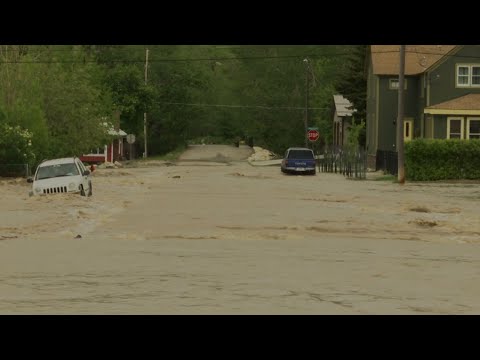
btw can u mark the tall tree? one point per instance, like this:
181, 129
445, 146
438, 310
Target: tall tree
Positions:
63, 93
352, 80
54, 94
352, 84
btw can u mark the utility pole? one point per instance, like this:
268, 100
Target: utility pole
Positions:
145, 113
400, 125
306, 102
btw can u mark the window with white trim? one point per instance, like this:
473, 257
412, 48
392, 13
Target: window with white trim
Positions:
395, 83
455, 128
475, 75
473, 128
468, 75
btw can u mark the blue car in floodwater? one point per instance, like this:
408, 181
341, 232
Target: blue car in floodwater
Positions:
299, 160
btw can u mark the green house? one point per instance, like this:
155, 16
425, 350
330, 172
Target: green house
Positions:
442, 95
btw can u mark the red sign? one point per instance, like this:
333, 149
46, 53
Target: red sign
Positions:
313, 135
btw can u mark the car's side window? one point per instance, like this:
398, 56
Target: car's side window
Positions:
80, 166
70, 169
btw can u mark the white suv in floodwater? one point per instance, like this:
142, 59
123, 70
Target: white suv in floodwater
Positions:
67, 175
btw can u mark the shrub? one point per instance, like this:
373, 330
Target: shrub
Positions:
434, 159
15, 145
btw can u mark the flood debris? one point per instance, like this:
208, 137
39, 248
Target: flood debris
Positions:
5, 237
424, 223
261, 154
421, 209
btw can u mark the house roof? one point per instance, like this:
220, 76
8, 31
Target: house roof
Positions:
465, 105
418, 58
118, 132
111, 130
342, 106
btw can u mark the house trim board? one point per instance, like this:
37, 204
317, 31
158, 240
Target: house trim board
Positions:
451, 112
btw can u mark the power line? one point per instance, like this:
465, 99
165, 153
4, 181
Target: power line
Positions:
170, 60
246, 106
299, 56
35, 50
29, 50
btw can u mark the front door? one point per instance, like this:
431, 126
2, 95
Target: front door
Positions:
407, 130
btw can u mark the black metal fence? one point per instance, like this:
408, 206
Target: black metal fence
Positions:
15, 170
351, 163
387, 161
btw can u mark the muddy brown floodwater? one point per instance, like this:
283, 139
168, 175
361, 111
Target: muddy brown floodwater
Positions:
225, 237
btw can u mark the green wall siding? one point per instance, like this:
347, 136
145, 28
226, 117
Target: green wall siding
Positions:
388, 110
413, 108
420, 119
442, 78
371, 109
440, 126
421, 86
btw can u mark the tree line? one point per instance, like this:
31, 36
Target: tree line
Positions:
54, 99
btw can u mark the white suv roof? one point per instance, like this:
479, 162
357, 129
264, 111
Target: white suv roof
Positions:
58, 161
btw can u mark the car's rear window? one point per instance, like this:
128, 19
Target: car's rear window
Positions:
300, 154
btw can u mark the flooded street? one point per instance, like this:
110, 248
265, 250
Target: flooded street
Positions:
224, 237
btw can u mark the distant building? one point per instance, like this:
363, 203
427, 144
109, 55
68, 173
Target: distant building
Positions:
111, 152
442, 95
342, 120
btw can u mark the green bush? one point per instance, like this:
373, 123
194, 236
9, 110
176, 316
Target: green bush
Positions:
432, 159
15, 145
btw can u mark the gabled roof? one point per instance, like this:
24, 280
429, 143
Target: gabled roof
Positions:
465, 105
418, 58
342, 106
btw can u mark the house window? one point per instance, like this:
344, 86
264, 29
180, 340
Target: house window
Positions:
473, 128
394, 84
455, 128
468, 75
408, 129
475, 75
462, 76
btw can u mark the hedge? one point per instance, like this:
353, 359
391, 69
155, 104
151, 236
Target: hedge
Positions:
434, 159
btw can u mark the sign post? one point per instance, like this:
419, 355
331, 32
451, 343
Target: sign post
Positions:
130, 140
313, 135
